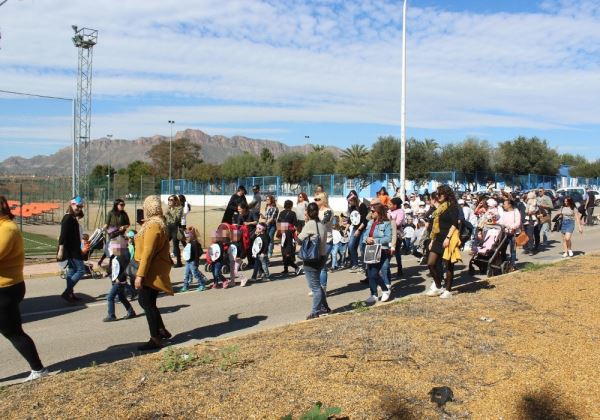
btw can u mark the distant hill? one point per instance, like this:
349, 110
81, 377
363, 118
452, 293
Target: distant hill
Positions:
215, 149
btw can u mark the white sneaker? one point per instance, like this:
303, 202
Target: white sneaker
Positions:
371, 299
310, 293
445, 294
36, 374
385, 296
434, 291
570, 253
565, 254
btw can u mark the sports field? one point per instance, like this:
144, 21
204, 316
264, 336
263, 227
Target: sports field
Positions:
38, 244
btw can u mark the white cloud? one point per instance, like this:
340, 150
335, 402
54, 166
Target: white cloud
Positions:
290, 61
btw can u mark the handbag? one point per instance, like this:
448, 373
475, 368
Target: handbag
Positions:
522, 239
372, 254
310, 250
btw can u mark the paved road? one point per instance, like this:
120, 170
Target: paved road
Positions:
72, 337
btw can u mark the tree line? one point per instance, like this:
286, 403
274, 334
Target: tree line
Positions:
520, 156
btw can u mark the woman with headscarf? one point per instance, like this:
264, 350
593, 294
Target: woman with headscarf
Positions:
12, 291
152, 277
173, 217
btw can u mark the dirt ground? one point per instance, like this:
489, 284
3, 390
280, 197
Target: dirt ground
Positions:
522, 346
199, 218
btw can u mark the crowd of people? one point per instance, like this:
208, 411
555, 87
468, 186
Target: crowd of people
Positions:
367, 237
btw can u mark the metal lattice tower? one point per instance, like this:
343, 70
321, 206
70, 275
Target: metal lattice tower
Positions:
84, 39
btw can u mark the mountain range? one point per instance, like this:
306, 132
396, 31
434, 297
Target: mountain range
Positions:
120, 153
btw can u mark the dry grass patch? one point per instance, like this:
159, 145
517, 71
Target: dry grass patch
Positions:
526, 348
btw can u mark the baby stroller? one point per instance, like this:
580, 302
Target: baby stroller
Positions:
490, 256
230, 240
95, 242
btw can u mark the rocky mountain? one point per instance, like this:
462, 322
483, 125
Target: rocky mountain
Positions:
122, 152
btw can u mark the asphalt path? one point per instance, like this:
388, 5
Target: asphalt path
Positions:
72, 337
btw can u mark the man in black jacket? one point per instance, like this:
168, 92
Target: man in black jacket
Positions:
236, 199
69, 248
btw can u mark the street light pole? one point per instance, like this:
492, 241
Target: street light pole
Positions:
171, 122
403, 108
109, 137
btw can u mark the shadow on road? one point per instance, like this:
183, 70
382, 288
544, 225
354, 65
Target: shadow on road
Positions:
123, 351
233, 323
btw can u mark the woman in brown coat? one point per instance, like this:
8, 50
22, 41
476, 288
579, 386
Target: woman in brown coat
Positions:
152, 254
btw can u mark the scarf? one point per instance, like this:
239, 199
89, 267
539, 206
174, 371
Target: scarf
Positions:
153, 214
441, 209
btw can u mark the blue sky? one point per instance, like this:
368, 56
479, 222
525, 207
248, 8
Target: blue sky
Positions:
328, 69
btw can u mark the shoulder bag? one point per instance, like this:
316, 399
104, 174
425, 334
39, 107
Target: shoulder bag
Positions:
310, 248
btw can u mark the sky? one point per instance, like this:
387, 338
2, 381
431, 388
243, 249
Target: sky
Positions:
327, 69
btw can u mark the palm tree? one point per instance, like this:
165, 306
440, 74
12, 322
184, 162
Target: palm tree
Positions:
356, 152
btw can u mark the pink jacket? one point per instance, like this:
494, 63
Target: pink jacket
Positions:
396, 216
511, 220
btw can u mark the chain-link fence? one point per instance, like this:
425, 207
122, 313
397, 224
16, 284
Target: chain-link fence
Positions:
42, 201
368, 185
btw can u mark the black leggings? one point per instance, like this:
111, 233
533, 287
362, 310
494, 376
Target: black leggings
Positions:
147, 299
436, 267
11, 325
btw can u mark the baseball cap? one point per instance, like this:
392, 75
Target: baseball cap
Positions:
77, 200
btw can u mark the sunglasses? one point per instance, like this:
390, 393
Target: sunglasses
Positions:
317, 199
79, 207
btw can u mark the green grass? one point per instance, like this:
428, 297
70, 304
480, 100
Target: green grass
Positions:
534, 267
38, 244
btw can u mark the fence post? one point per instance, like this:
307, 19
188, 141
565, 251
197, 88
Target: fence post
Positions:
277, 186
21, 207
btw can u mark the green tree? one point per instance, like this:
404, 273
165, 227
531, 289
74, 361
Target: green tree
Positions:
290, 166
572, 160
267, 161
99, 176
422, 157
526, 155
385, 155
322, 162
586, 170
470, 156
354, 162
242, 165
184, 155
318, 148
205, 172
135, 171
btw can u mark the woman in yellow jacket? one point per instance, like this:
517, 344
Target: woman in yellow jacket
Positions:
12, 291
152, 277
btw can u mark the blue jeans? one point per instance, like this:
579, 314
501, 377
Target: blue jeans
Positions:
271, 232
261, 263
118, 289
373, 274
216, 271
353, 249
314, 284
362, 246
74, 274
323, 275
341, 249
191, 270
386, 272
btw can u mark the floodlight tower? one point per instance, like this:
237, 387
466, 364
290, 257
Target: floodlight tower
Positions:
84, 39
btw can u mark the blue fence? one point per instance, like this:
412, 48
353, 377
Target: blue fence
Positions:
339, 185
